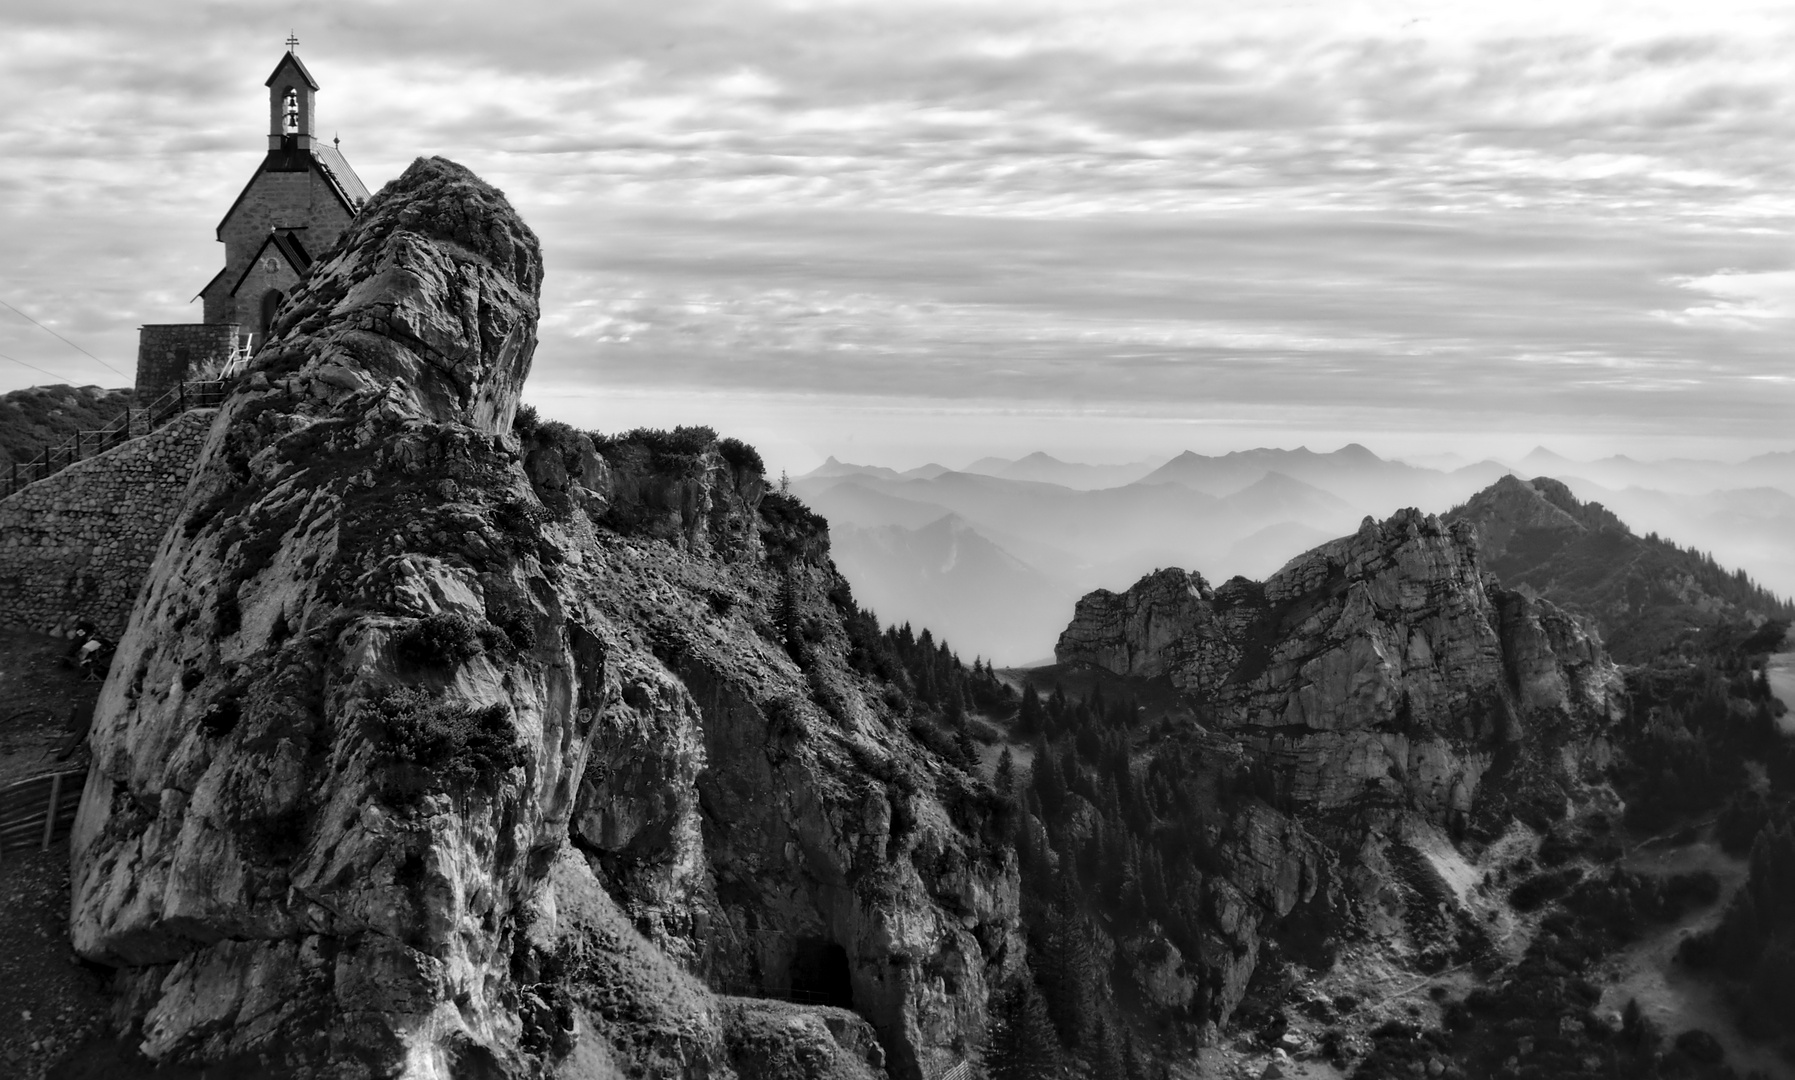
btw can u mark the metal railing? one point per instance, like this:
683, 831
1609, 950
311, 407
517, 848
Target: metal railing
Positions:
241, 351
128, 425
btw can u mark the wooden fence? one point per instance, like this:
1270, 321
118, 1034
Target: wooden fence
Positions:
38, 810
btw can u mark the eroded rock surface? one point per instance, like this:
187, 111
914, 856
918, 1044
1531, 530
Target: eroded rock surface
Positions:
1377, 685
433, 752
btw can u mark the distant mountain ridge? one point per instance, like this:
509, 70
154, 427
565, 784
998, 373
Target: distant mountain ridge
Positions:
1243, 513
1044, 468
1644, 593
1675, 475
913, 575
1076, 535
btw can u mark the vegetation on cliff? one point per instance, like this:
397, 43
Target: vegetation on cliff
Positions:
1646, 595
1753, 947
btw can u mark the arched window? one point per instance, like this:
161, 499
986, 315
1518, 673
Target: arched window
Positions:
290, 112
270, 304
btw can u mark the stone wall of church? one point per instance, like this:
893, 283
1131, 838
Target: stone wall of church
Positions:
170, 352
304, 200
270, 275
79, 544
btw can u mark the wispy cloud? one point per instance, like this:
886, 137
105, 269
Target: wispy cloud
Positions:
1741, 301
1571, 211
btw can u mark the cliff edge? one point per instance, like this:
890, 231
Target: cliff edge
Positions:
435, 748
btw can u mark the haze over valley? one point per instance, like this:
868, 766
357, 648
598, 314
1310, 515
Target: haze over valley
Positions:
992, 557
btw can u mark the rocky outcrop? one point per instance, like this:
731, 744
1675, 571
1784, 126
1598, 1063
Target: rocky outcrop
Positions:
1381, 665
432, 751
1378, 685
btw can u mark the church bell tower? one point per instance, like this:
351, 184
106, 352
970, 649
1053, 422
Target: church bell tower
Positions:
291, 97
296, 204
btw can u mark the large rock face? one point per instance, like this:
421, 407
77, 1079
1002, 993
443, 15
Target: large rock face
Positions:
1379, 665
1376, 690
435, 752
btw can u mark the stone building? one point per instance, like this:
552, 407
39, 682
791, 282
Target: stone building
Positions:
294, 207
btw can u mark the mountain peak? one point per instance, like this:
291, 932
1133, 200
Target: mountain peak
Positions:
1642, 594
1511, 504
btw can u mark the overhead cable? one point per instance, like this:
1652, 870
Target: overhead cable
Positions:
33, 367
64, 340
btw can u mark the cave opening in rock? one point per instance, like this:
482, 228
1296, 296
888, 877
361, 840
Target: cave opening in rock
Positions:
819, 974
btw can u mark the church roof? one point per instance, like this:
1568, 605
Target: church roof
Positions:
328, 161
208, 286
348, 184
292, 58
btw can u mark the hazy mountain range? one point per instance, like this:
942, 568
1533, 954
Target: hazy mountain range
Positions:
993, 556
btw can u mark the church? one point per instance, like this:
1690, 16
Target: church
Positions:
296, 204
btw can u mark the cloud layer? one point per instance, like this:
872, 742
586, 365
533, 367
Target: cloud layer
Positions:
1548, 218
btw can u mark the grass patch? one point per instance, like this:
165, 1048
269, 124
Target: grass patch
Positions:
439, 641
433, 745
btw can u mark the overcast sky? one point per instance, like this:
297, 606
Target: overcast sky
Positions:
903, 231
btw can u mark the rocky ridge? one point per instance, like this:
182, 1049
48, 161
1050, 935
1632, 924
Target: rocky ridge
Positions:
1374, 699
432, 750
1644, 595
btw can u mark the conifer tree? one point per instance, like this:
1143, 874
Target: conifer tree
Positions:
966, 747
1031, 717
787, 616
1106, 1050
1070, 966
1045, 777
1021, 1043
1134, 1064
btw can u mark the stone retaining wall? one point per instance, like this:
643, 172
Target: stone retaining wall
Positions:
171, 352
79, 543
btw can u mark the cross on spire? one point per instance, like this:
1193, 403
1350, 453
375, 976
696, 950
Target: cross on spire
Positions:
292, 41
